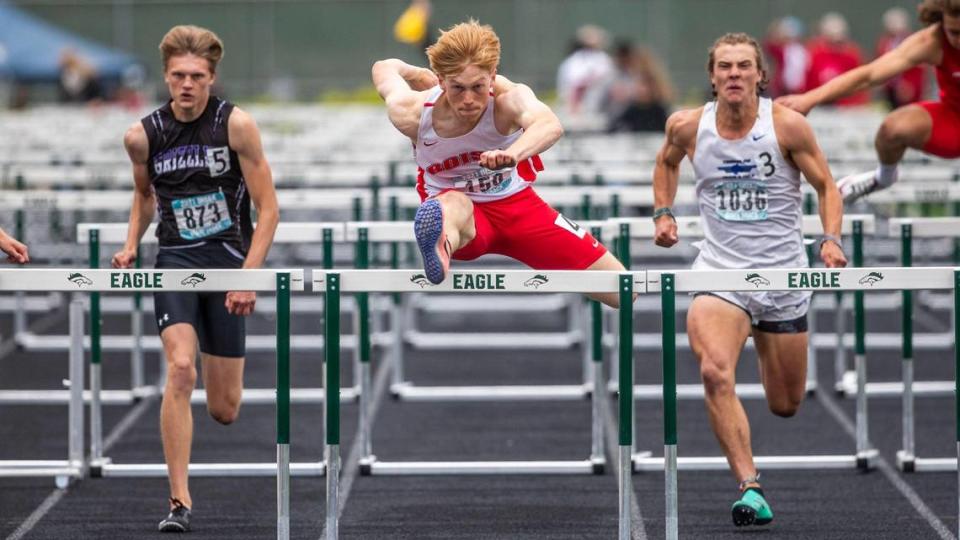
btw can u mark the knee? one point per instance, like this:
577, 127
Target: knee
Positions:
717, 377
893, 131
784, 408
181, 374
225, 409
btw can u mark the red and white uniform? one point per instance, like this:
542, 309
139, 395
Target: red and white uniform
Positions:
944, 138
509, 218
445, 164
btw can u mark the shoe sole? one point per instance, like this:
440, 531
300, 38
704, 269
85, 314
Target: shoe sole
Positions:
744, 516
173, 527
428, 228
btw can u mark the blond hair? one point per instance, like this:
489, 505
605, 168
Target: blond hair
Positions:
189, 39
462, 45
739, 38
932, 11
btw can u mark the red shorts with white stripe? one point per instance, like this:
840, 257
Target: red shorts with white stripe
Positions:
944, 138
525, 228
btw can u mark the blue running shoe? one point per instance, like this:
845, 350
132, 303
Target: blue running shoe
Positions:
433, 244
751, 509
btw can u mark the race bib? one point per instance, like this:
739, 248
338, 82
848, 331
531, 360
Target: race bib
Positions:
484, 181
741, 200
202, 216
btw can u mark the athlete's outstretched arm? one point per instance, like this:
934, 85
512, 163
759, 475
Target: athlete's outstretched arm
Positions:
541, 127
680, 132
796, 135
141, 212
921, 47
245, 141
400, 84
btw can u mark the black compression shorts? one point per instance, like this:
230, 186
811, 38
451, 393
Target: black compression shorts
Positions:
219, 332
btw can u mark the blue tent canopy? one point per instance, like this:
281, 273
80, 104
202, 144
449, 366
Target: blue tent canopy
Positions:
30, 49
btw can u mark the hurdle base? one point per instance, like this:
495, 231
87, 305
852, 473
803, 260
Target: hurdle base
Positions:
426, 468
947, 464
867, 459
598, 464
159, 470
695, 391
96, 467
268, 396
643, 462
407, 391
906, 461
848, 387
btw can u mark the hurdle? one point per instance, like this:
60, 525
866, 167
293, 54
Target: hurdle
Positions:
669, 283
852, 279
334, 284
94, 235
363, 234
907, 460
627, 229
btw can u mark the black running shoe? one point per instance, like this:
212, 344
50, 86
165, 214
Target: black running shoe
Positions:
178, 521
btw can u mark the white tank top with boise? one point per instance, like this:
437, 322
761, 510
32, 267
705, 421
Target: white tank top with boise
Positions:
749, 197
453, 163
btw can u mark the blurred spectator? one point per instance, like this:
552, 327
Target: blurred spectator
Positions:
909, 86
78, 79
584, 75
639, 95
784, 45
413, 26
833, 53
129, 95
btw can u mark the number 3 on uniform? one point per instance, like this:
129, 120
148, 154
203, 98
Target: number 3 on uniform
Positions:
565, 223
218, 160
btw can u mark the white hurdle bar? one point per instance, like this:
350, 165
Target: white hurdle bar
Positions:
643, 228
853, 279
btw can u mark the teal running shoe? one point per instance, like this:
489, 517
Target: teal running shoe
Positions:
752, 509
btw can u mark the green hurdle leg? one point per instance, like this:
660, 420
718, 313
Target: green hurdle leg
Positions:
597, 395
956, 371
283, 406
906, 456
860, 359
668, 314
96, 417
625, 398
362, 357
332, 451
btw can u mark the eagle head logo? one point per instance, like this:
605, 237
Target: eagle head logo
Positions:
871, 278
757, 280
536, 281
420, 280
80, 280
194, 279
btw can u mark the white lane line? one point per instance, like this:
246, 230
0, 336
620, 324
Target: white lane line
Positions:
349, 471
637, 529
52, 499
888, 471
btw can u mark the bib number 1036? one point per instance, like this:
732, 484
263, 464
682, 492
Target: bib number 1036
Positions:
744, 200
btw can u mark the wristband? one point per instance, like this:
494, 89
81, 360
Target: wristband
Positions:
831, 238
664, 211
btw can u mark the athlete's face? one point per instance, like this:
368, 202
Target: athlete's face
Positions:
188, 78
468, 91
735, 73
951, 28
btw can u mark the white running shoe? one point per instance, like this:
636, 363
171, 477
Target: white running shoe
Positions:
857, 185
